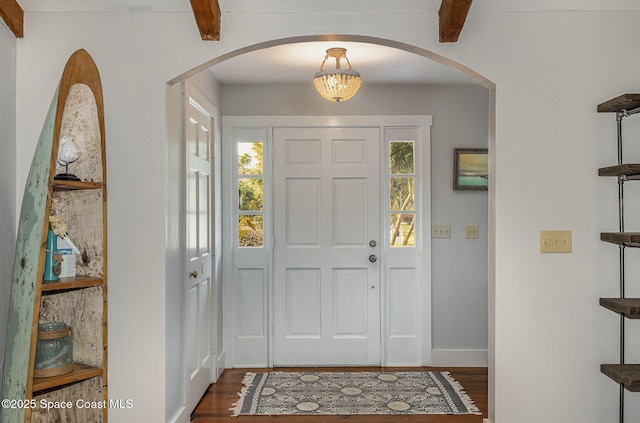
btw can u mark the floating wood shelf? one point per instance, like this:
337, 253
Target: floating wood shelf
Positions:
628, 239
631, 171
626, 374
77, 282
630, 307
79, 373
75, 185
620, 103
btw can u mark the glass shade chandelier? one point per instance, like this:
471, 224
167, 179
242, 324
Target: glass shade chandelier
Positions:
337, 84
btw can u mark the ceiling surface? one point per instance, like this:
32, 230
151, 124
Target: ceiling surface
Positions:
344, 6
297, 63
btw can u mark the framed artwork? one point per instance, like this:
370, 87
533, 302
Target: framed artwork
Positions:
470, 169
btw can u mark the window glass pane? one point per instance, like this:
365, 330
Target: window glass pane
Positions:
401, 194
401, 157
250, 195
401, 227
250, 230
249, 158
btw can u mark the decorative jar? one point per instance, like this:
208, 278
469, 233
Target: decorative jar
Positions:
54, 350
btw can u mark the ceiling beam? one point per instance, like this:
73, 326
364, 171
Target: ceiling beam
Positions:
207, 14
452, 15
13, 15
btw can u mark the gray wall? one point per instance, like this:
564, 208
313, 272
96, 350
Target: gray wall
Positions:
461, 118
7, 176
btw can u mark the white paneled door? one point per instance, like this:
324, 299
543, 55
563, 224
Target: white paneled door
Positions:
198, 260
326, 298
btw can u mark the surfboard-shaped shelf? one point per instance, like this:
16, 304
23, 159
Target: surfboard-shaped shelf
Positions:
79, 299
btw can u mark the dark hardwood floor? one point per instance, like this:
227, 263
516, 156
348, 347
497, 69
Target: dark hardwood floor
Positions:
214, 406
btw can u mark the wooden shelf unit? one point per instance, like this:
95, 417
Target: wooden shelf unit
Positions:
59, 185
77, 112
68, 283
79, 373
626, 375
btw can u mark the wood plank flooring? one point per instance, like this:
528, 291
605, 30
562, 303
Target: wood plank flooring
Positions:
215, 404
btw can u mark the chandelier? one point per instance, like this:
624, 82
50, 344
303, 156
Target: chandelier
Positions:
338, 84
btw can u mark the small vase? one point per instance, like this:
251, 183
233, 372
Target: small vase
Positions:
49, 263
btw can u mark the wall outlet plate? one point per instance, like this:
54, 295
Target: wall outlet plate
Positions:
555, 242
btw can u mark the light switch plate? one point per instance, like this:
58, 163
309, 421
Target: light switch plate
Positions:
440, 231
471, 232
555, 241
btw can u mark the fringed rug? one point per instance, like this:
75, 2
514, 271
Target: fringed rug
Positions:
347, 393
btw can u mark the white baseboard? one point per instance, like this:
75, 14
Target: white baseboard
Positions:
220, 364
459, 358
181, 416
486, 421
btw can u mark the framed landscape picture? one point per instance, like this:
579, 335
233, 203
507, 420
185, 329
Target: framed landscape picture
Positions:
470, 169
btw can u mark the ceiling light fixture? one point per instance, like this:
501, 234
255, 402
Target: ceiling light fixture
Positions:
338, 84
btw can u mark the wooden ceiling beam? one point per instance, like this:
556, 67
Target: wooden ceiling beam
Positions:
452, 15
207, 14
13, 15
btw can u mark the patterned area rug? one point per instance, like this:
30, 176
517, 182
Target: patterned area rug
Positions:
347, 393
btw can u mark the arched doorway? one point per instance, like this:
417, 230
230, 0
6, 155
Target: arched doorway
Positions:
480, 80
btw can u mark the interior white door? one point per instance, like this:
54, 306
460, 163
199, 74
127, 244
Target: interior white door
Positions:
198, 219
327, 239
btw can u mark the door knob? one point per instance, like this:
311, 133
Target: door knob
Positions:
373, 243
373, 258
193, 274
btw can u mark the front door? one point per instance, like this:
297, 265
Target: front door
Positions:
326, 299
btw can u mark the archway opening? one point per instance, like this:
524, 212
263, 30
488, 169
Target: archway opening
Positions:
473, 79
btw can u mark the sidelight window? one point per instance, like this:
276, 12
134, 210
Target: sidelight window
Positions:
250, 177
402, 178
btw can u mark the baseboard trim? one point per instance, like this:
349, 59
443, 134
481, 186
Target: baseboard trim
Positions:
181, 416
486, 421
220, 365
459, 358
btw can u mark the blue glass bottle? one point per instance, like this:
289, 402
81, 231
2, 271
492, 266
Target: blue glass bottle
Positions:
49, 263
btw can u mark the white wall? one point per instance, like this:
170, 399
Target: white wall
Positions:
8, 190
459, 266
551, 69
175, 396
135, 61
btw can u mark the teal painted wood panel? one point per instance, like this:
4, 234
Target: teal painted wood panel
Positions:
26, 276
